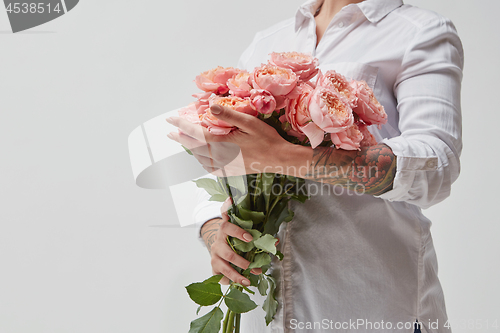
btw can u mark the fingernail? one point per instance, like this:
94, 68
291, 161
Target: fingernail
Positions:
247, 236
254, 272
246, 283
170, 136
216, 109
169, 120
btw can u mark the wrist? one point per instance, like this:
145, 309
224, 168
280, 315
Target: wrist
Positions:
209, 232
293, 160
208, 223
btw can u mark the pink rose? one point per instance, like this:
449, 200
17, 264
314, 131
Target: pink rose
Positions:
220, 127
262, 101
201, 103
349, 139
330, 111
214, 125
236, 103
214, 80
368, 108
368, 138
298, 116
239, 86
190, 114
278, 81
338, 82
303, 65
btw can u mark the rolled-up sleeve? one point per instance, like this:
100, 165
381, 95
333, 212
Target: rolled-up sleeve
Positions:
427, 90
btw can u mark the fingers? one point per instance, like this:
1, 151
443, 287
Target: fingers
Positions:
232, 276
196, 146
222, 255
193, 130
229, 229
196, 131
214, 171
224, 280
241, 120
225, 206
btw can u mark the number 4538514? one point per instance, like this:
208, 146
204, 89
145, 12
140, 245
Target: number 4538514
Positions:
471, 324
25, 8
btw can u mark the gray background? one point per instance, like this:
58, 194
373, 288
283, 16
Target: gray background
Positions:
79, 250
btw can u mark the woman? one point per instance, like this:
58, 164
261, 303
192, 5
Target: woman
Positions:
358, 261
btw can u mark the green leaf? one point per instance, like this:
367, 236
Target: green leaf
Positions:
300, 197
255, 233
245, 202
270, 304
246, 289
187, 150
260, 260
218, 197
239, 302
263, 285
204, 293
242, 246
245, 224
256, 217
222, 182
210, 185
254, 279
266, 243
235, 187
279, 255
209, 323
265, 268
238, 182
214, 279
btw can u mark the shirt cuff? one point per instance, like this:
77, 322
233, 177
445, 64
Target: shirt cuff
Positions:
407, 166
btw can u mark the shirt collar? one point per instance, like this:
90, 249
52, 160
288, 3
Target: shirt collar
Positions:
374, 10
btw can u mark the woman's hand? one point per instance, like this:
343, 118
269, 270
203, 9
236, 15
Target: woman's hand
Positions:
254, 147
215, 233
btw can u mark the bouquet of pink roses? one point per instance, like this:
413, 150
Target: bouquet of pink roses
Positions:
305, 107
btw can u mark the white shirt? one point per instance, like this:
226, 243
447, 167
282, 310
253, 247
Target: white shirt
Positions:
365, 259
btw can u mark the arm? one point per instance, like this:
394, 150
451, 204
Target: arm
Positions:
370, 170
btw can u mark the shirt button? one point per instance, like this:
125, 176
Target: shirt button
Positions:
431, 164
341, 24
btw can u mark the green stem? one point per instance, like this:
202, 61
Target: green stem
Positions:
272, 207
231, 245
251, 255
258, 180
237, 325
224, 324
230, 323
